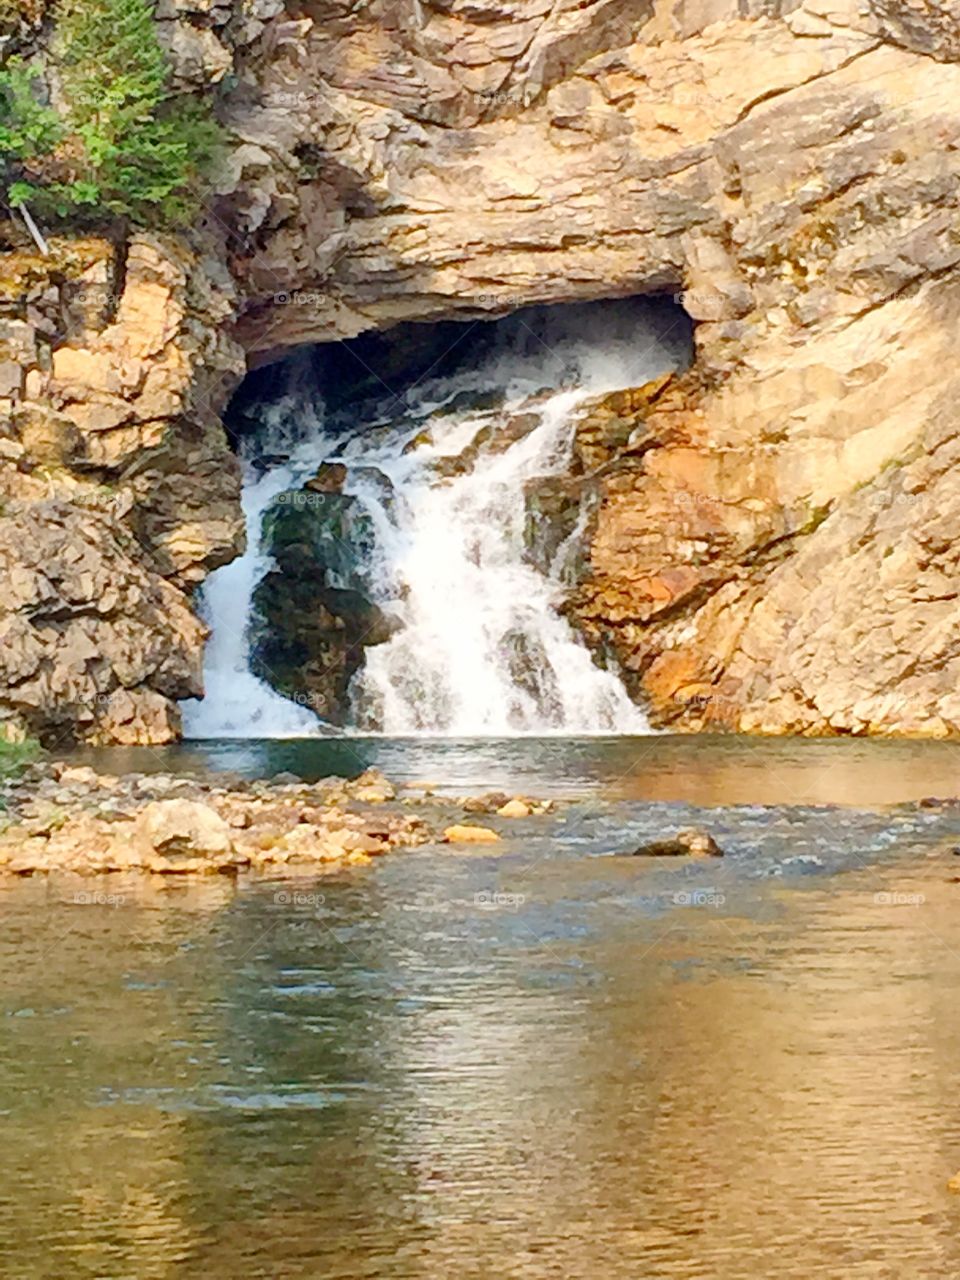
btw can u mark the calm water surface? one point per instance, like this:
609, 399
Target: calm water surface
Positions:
539, 1062
700, 769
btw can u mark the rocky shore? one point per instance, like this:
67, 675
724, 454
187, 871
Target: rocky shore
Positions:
59, 817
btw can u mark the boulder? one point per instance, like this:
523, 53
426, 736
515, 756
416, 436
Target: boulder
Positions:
312, 618
514, 809
183, 836
326, 535
690, 843
461, 833
371, 788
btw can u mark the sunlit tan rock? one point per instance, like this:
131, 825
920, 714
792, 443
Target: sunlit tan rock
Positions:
769, 547
462, 833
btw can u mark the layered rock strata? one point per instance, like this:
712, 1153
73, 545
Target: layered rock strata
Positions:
771, 546
118, 492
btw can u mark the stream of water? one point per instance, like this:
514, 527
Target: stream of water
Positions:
536, 1063
479, 648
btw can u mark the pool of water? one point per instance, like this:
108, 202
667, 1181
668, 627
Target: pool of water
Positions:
536, 1062
699, 769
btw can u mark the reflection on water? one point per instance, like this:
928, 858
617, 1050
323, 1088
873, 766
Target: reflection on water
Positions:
534, 1063
699, 770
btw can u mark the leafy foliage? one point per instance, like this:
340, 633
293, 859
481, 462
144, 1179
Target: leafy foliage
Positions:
121, 145
15, 756
26, 127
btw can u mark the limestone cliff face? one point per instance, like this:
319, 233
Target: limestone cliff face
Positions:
118, 492
771, 546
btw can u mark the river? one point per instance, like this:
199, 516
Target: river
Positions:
539, 1062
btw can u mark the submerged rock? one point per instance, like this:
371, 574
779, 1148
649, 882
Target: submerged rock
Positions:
690, 843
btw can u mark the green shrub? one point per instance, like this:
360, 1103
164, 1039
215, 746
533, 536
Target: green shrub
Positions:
15, 756
27, 128
122, 145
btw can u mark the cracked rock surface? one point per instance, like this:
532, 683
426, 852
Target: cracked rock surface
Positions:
769, 547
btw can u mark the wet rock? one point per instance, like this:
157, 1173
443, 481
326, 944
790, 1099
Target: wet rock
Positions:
690, 843
938, 802
464, 834
613, 424
514, 809
309, 641
330, 478
312, 620
286, 779
326, 535
491, 438
488, 803
555, 506
422, 440
532, 674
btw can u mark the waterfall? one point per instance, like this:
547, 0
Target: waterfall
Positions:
480, 648
236, 704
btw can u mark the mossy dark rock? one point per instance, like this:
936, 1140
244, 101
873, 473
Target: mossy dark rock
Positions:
312, 616
323, 537
307, 641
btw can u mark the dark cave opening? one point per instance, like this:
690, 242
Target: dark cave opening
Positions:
417, 502
354, 377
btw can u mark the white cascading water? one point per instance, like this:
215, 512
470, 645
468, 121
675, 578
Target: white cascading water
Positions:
236, 704
481, 649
